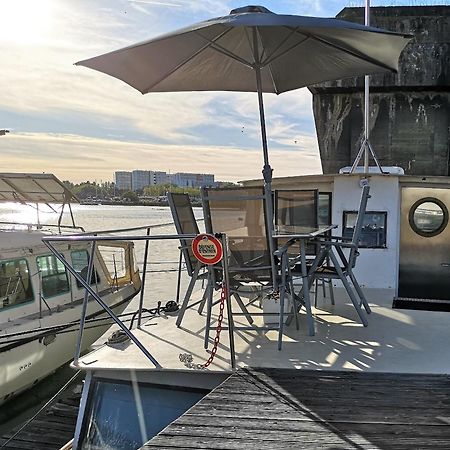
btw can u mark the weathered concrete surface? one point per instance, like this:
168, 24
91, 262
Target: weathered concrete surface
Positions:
410, 110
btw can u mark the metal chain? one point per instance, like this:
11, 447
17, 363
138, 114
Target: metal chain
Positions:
223, 297
188, 359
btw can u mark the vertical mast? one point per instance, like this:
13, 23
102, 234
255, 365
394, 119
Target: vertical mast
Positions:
366, 147
366, 100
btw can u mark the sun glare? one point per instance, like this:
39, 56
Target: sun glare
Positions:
25, 21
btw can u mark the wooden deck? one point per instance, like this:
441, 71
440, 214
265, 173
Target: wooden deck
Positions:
52, 429
302, 409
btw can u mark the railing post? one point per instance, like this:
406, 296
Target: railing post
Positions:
180, 262
40, 294
85, 303
226, 280
144, 271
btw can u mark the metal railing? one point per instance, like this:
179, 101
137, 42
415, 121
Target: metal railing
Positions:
52, 241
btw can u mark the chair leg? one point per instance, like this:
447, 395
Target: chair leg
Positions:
348, 288
201, 306
360, 292
282, 290
306, 284
294, 303
209, 305
316, 285
243, 307
330, 281
188, 295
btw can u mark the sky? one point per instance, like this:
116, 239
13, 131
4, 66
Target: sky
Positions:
83, 125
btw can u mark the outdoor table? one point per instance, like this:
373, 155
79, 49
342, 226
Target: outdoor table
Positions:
301, 235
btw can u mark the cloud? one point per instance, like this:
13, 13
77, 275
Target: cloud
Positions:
41, 86
79, 158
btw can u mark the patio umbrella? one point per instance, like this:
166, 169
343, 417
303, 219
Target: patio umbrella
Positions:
253, 50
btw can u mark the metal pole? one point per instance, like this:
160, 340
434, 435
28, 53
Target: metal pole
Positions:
226, 280
144, 271
84, 308
180, 261
366, 102
267, 170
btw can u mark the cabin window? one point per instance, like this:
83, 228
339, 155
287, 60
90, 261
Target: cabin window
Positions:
373, 233
428, 217
116, 260
15, 283
53, 275
80, 262
324, 210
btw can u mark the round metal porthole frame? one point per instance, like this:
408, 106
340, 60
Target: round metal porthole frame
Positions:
413, 210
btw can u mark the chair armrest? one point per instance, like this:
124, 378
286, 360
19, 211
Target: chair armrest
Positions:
282, 250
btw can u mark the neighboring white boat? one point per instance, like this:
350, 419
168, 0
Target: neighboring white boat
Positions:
40, 302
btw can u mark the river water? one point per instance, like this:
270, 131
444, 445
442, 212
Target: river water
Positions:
161, 276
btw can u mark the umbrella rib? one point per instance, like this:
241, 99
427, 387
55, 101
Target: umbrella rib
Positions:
224, 51
349, 51
261, 65
186, 60
273, 57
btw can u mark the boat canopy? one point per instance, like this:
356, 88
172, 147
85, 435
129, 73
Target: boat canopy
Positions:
34, 188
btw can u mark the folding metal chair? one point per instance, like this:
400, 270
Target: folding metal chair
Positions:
341, 267
240, 213
185, 223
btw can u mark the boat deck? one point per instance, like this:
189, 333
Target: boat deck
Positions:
293, 409
402, 341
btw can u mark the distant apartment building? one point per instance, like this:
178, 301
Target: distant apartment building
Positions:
140, 179
159, 177
183, 179
122, 180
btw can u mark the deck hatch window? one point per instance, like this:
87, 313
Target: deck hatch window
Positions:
373, 233
114, 413
80, 262
53, 275
428, 217
15, 283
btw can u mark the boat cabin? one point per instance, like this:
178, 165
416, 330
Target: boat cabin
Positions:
405, 241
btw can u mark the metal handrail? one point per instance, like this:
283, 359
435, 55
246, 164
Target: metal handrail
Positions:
40, 226
122, 230
50, 240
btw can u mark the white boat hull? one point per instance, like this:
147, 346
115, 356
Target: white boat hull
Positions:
24, 365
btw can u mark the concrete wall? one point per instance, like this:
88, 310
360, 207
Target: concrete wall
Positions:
410, 111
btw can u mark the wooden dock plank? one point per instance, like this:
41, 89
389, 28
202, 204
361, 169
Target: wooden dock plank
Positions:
292, 409
50, 430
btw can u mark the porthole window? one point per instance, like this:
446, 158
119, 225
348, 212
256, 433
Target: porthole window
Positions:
428, 217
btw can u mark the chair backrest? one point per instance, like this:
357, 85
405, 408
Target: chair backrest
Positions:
240, 213
185, 223
359, 224
297, 208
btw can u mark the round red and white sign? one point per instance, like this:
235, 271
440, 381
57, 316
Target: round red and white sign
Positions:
207, 249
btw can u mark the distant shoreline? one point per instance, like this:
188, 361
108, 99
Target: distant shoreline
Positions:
109, 203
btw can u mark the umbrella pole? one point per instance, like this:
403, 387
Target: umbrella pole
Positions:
267, 175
